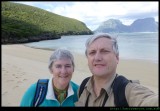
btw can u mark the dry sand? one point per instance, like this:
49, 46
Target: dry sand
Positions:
22, 66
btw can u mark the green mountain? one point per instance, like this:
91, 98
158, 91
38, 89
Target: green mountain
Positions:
22, 23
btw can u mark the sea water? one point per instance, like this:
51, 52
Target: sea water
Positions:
131, 45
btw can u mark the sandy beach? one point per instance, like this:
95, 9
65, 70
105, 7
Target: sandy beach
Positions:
22, 66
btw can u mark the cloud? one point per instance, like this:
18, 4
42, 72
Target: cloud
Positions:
94, 13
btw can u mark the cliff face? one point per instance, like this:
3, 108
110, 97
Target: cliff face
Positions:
139, 25
144, 25
22, 23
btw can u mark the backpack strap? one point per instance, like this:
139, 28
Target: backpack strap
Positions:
84, 82
119, 86
41, 90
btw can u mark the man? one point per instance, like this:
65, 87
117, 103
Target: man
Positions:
103, 56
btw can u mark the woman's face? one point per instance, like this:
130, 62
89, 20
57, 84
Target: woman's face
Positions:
62, 71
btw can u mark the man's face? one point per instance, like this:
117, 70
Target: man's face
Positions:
102, 60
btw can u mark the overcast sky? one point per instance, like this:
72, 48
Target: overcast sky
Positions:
94, 13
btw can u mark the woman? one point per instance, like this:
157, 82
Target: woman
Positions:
61, 91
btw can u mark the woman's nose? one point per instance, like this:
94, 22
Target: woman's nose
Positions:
63, 70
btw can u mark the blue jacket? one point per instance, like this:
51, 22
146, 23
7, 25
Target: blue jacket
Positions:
50, 99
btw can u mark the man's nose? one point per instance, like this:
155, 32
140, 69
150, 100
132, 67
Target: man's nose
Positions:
98, 56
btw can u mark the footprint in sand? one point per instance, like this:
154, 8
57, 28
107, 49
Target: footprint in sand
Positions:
19, 81
4, 93
17, 77
8, 104
10, 80
15, 87
24, 79
19, 68
23, 73
6, 74
15, 66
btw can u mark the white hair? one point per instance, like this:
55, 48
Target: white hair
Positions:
60, 54
103, 35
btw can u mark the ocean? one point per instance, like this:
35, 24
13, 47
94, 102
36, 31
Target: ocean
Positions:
142, 45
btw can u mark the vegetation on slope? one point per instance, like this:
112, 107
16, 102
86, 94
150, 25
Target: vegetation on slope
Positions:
22, 23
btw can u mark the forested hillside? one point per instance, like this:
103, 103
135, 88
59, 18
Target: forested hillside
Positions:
22, 23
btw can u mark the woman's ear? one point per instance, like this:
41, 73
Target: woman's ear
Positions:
50, 70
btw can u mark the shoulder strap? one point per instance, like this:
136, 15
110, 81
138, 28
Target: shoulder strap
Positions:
41, 90
119, 86
83, 85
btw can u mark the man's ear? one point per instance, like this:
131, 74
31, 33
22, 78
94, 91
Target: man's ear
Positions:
117, 59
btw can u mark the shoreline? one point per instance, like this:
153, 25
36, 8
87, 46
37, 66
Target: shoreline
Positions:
80, 53
23, 66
